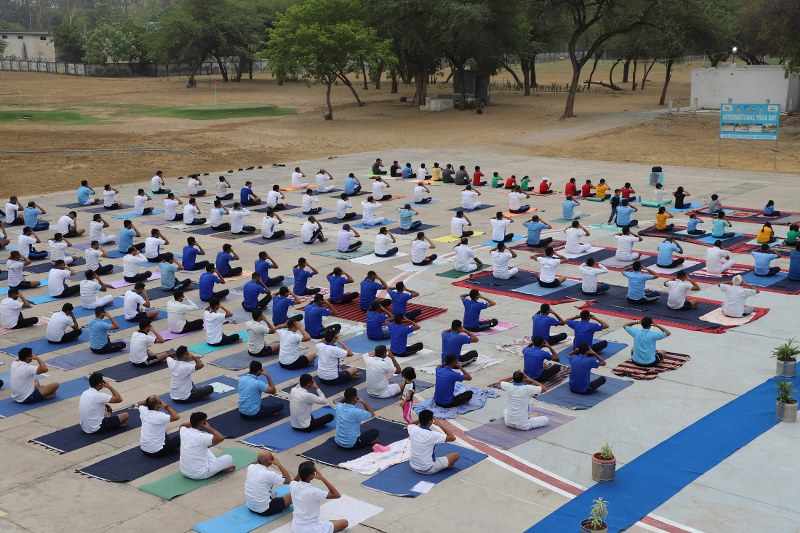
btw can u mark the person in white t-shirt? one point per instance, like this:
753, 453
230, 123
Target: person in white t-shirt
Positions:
329, 358
176, 314
276, 199
26, 245
574, 235
89, 289
214, 317
193, 186
11, 311
379, 187
191, 212
63, 327
291, 334
16, 275
678, 288
136, 305
312, 231
458, 223
25, 388
157, 184
302, 399
222, 189
14, 212
368, 209
590, 270
94, 407
155, 415
307, 500
171, 208
520, 390
268, 224
260, 483
423, 440
515, 199
68, 225
717, 259
342, 206
297, 179
382, 242
139, 202
153, 244
109, 197
130, 266
419, 193
500, 258
548, 262
344, 239
58, 245
422, 172
736, 294
141, 341
57, 281
181, 367
468, 198
92, 255
197, 461
419, 247
324, 181
499, 224
96, 227
257, 330
466, 260
625, 242
4, 240
216, 215
380, 367
307, 202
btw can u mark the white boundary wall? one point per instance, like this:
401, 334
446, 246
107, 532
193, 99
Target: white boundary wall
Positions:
747, 84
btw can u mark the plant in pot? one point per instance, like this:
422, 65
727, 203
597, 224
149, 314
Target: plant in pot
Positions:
604, 464
786, 354
597, 515
786, 404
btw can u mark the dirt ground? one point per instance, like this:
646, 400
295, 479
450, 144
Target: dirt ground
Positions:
517, 124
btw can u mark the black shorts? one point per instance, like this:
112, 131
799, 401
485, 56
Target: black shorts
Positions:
300, 362
151, 360
109, 423
276, 505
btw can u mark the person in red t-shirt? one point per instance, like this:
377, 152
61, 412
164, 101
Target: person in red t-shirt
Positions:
544, 186
511, 182
586, 190
627, 191
571, 188
476, 177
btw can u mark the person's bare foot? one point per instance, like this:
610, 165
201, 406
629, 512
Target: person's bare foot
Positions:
357, 375
230, 469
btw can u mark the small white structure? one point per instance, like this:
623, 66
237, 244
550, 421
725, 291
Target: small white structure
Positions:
749, 84
28, 45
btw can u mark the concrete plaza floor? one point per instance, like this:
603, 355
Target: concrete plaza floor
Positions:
753, 490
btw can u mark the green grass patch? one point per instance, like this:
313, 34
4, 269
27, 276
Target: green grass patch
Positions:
211, 112
58, 117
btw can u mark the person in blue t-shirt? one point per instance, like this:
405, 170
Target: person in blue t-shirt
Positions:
352, 186
369, 291
542, 322
301, 277
665, 251
399, 330
644, 351
720, 225
31, 217
534, 356
126, 235
585, 329
251, 386
407, 222
763, 258
169, 266
624, 212
446, 379
376, 320
252, 292
262, 266
281, 303
208, 279
400, 296
581, 361
247, 196
474, 303
638, 276
85, 194
190, 253
337, 280
99, 326
454, 339
313, 314
223, 262
568, 209
691, 226
794, 264
348, 422
535, 227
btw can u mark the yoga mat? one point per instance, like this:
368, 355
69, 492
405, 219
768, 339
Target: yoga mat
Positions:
629, 369
45, 298
41, 346
455, 274
283, 436
401, 231
73, 438
765, 281
497, 434
232, 425
500, 327
568, 220
237, 361
334, 220
168, 335
156, 293
205, 230
380, 403
563, 397
450, 238
654, 477
331, 390
67, 389
177, 484
411, 267
203, 348
43, 320
687, 206
80, 312
516, 238
40, 268
344, 256
241, 519
347, 508
331, 454
534, 289
362, 344
353, 312
119, 283
608, 351
478, 401
78, 358
300, 214
488, 281
374, 259
263, 241
127, 466
598, 254
400, 480
126, 370
223, 380
134, 215
608, 227
362, 225
479, 208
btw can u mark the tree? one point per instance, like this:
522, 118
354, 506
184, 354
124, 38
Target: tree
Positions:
68, 41
780, 26
593, 22
322, 40
183, 37
114, 42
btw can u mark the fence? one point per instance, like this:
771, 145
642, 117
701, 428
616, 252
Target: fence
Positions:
121, 70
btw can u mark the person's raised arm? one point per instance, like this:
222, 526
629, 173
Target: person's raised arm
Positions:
228, 314
287, 477
159, 338
602, 361
42, 368
489, 302
115, 397
449, 437
306, 336
333, 494
397, 369
552, 351
198, 363
467, 375
173, 415
114, 324
217, 437
663, 329
600, 321
270, 384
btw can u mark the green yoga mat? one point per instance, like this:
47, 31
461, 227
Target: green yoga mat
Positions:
204, 348
454, 274
653, 204
564, 220
177, 484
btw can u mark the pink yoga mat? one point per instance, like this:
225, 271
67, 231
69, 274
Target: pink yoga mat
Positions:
119, 283
501, 326
167, 335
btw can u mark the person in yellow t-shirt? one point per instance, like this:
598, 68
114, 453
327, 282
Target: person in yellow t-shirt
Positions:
661, 220
601, 189
766, 234
436, 172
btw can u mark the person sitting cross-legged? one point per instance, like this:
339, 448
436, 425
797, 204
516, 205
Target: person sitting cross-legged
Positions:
400, 328
474, 302
261, 482
141, 341
302, 399
155, 415
454, 339
25, 388
665, 251
197, 461
585, 329
446, 379
520, 390
214, 316
542, 322
348, 422
313, 315
380, 367
181, 387
251, 386
337, 279
94, 407
534, 356
581, 361
423, 440
637, 277
644, 352
257, 329
307, 500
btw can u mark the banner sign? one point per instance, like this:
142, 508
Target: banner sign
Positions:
749, 121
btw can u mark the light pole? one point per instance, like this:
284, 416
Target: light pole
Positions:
734, 54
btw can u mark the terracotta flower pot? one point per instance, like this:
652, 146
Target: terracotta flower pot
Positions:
587, 528
603, 469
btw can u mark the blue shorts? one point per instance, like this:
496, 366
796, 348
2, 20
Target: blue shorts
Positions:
35, 397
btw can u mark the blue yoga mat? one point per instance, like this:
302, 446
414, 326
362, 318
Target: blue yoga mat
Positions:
127, 324
78, 358
125, 370
330, 453
128, 465
611, 349
240, 519
479, 208
73, 438
361, 225
237, 361
399, 479
283, 436
564, 397
80, 312
41, 346
181, 407
68, 389
156, 293
205, 348
232, 425
115, 254
4, 290
764, 281
282, 375
134, 215
514, 239
361, 344
708, 239
380, 403
688, 206
45, 298
401, 231
644, 484
534, 289
331, 390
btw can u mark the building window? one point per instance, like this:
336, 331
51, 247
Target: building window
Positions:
42, 38
20, 37
5, 36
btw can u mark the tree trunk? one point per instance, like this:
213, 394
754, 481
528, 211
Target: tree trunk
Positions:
421, 91
222, 69
525, 65
191, 82
378, 75
513, 75
647, 70
250, 69
364, 73
594, 67
569, 108
625, 70
666, 82
611, 73
534, 83
329, 116
394, 84
352, 89
635, 68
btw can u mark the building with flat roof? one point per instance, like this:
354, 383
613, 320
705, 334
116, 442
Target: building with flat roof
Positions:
28, 45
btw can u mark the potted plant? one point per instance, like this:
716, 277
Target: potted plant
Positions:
597, 515
786, 354
604, 464
786, 404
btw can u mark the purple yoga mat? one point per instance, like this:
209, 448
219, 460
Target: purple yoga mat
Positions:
167, 335
497, 434
118, 283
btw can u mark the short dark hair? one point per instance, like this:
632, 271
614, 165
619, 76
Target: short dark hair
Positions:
350, 394
330, 334
518, 376
255, 367
306, 470
305, 380
380, 350
197, 418
180, 350
95, 379
647, 322
585, 314
425, 417
24, 353
449, 359
409, 373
